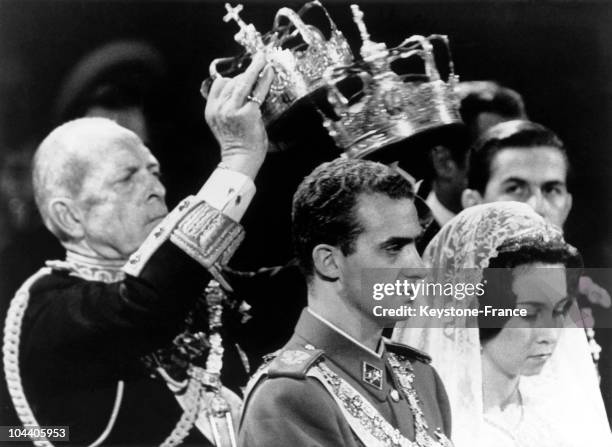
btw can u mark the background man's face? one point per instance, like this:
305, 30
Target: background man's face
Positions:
536, 176
390, 228
122, 197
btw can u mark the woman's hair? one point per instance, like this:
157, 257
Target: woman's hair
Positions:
499, 275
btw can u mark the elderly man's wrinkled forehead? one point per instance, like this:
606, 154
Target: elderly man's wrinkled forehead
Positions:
72, 150
87, 136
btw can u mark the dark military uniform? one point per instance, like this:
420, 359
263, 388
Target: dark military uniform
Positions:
80, 337
288, 405
77, 329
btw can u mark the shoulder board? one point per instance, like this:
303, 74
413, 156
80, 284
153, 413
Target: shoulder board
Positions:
409, 351
293, 363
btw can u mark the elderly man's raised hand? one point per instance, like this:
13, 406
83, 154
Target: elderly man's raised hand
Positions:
234, 116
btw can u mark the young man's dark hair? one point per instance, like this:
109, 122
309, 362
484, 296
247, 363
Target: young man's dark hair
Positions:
324, 204
515, 134
485, 103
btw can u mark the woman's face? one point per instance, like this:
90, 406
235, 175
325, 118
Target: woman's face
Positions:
525, 343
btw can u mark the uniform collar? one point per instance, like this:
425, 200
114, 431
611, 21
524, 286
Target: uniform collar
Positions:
332, 326
362, 364
90, 268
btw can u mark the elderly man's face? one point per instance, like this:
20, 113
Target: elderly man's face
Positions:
122, 197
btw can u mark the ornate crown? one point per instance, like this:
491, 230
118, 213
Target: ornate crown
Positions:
388, 107
298, 53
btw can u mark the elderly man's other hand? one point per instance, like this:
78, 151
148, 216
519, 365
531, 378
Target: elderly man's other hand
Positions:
234, 116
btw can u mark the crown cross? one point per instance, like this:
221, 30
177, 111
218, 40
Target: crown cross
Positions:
358, 19
368, 48
233, 14
248, 36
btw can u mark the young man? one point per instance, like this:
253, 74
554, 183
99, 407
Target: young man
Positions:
521, 161
337, 382
483, 104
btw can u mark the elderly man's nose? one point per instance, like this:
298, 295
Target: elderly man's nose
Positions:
157, 189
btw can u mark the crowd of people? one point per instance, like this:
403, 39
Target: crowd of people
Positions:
142, 333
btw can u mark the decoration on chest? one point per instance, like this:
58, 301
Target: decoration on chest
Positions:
372, 375
191, 366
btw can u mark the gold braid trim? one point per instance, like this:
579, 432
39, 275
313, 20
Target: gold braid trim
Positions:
365, 420
10, 351
203, 232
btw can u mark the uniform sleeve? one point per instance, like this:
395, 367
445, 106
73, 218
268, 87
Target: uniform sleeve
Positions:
72, 318
284, 412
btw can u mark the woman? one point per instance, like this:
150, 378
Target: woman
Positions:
525, 380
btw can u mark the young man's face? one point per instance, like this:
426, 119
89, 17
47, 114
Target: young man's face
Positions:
536, 176
387, 242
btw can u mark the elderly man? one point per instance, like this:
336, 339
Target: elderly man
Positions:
337, 382
77, 330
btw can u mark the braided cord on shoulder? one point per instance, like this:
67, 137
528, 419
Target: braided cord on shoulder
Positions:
10, 352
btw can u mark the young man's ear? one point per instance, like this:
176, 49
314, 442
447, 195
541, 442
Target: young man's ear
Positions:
325, 261
470, 197
65, 217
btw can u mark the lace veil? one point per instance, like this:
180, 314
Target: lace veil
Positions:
470, 241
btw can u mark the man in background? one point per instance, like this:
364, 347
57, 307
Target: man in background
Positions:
483, 104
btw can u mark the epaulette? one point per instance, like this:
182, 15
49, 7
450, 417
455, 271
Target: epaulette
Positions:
408, 351
294, 363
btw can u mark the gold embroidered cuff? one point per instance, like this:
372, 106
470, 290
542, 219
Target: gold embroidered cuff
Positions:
200, 230
209, 237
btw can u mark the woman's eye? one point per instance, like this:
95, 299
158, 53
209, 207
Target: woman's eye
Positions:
564, 309
531, 314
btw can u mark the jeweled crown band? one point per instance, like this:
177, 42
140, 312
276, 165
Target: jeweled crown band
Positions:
309, 69
390, 106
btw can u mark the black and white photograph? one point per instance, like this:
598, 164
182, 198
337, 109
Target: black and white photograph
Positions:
321, 223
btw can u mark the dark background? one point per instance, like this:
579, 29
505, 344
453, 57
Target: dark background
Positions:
557, 54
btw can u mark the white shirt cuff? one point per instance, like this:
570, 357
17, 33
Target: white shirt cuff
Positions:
228, 191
